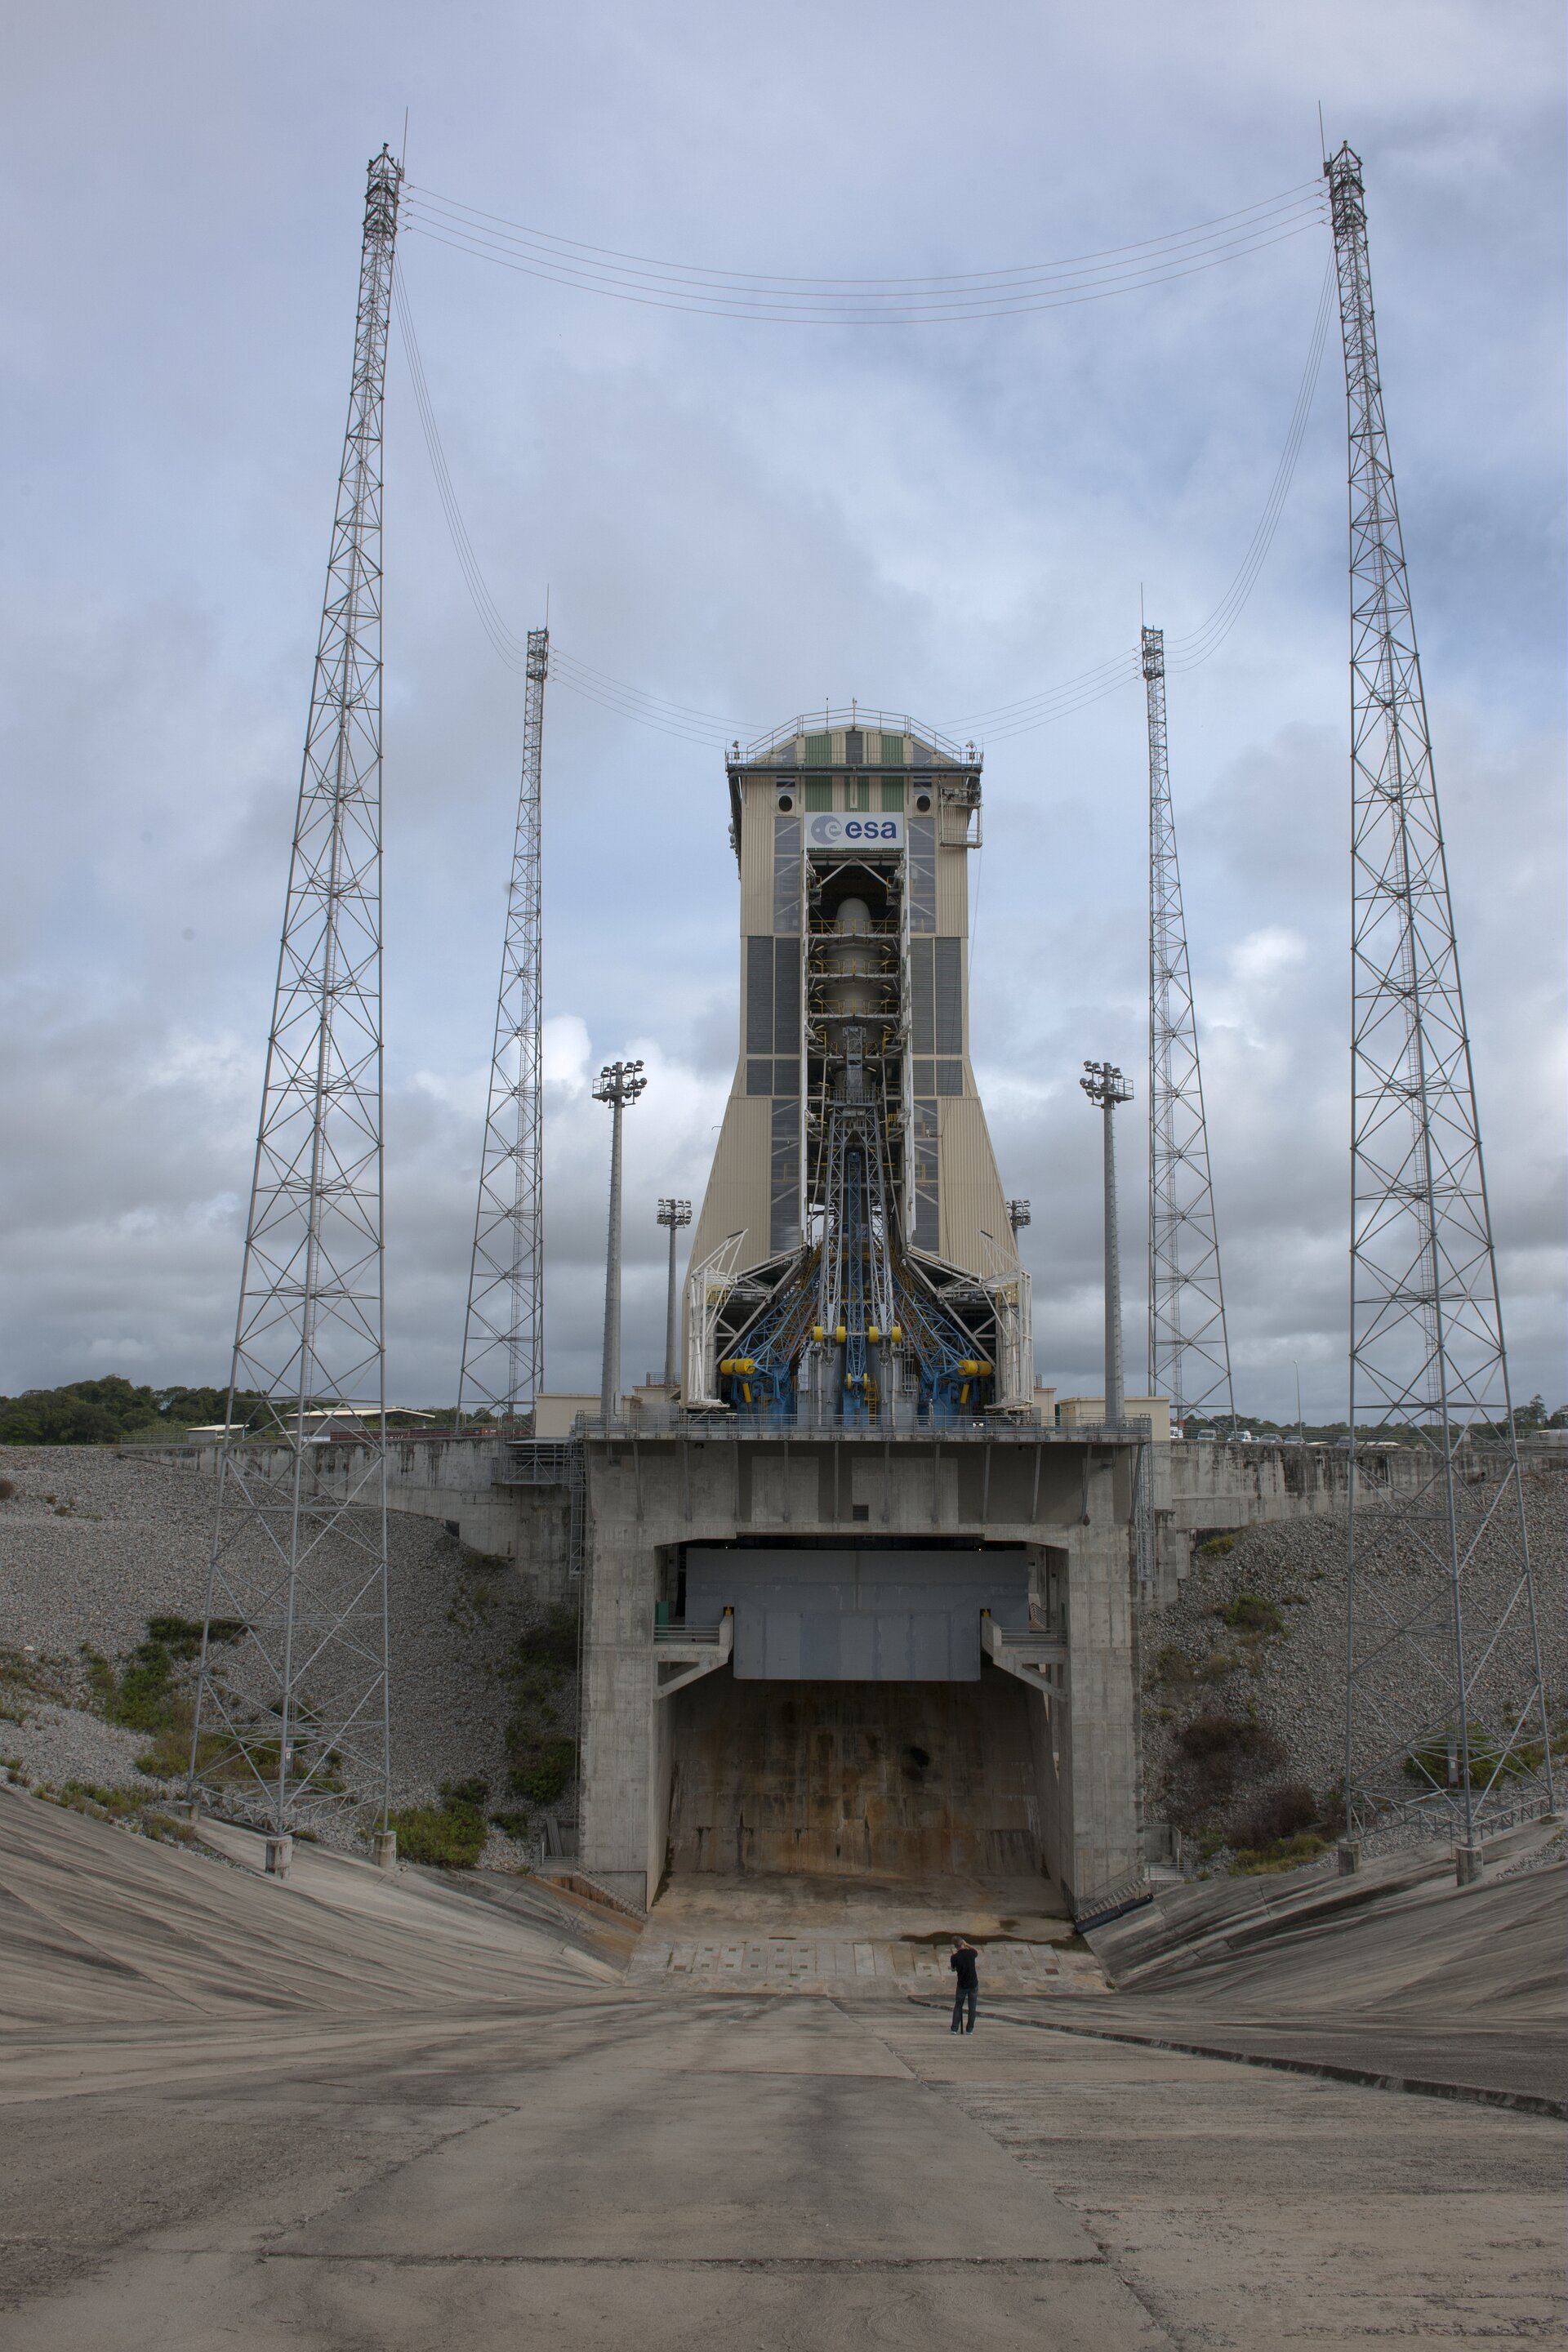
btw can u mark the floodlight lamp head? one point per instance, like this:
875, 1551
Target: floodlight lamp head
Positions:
1018, 1214
1105, 1084
675, 1213
620, 1083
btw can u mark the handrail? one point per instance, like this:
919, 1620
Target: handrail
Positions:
884, 722
723, 1425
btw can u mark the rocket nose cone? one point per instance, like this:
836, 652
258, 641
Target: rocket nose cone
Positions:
854, 915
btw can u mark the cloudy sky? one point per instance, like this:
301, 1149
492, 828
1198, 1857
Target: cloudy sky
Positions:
747, 518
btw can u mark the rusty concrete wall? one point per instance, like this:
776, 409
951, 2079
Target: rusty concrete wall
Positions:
891, 1780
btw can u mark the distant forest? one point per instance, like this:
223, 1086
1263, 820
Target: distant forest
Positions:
108, 1412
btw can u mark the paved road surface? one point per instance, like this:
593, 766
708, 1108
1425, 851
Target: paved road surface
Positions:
558, 2161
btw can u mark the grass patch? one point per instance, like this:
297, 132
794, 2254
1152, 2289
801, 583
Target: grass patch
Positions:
512, 1824
1176, 1669
544, 1773
1283, 1814
145, 1694
1217, 1547
1250, 1613
1285, 1853
24, 1678
1428, 1764
450, 1835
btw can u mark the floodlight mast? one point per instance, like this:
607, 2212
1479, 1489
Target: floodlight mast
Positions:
1446, 1700
619, 1085
1105, 1088
503, 1334
296, 1722
1188, 1350
676, 1215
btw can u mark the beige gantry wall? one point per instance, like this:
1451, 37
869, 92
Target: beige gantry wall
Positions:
973, 1200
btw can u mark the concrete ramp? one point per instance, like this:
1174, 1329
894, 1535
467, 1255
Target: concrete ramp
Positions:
100, 1927
1399, 1978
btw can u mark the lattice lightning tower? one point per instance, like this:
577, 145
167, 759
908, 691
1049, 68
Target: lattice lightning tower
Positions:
291, 1714
1189, 1353
1446, 1698
503, 1335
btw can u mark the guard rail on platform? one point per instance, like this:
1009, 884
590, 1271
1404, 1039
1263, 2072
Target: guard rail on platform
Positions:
788, 1428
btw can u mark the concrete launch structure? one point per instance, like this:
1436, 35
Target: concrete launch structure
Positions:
854, 1185
853, 1603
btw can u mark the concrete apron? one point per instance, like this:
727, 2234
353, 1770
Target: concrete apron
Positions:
876, 1938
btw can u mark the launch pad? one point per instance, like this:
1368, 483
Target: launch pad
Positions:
853, 1605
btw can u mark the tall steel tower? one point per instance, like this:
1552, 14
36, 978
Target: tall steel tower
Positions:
292, 1713
503, 1335
1189, 1353
1446, 1698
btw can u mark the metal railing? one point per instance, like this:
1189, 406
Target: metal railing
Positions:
1103, 1904
666, 1421
881, 722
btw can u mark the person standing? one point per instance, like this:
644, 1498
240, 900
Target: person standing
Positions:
963, 1962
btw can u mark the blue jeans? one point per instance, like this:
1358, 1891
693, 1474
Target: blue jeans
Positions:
969, 1994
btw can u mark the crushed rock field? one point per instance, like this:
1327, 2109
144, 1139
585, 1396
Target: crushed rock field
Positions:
96, 1541
1291, 1682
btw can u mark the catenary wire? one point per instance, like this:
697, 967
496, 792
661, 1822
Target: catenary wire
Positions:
830, 285
906, 300
1001, 723
863, 311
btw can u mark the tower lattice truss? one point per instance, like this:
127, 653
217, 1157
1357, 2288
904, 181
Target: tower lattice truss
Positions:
1446, 1705
1189, 1352
503, 1336
291, 1716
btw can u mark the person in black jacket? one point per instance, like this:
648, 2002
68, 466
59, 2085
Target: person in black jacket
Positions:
962, 1963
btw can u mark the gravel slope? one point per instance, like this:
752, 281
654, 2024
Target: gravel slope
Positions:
96, 1541
1294, 1685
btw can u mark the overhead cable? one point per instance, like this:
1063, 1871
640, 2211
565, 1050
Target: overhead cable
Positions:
999, 724
932, 300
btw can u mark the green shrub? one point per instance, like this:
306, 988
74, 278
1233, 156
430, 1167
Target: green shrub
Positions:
512, 1824
542, 1771
1217, 1547
1283, 1814
1428, 1762
1219, 1749
1287, 1853
450, 1835
434, 1833
144, 1695
1250, 1613
552, 1644
1231, 1736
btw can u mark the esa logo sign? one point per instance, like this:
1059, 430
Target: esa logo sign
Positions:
873, 833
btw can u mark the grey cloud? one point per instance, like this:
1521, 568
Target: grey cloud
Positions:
746, 520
